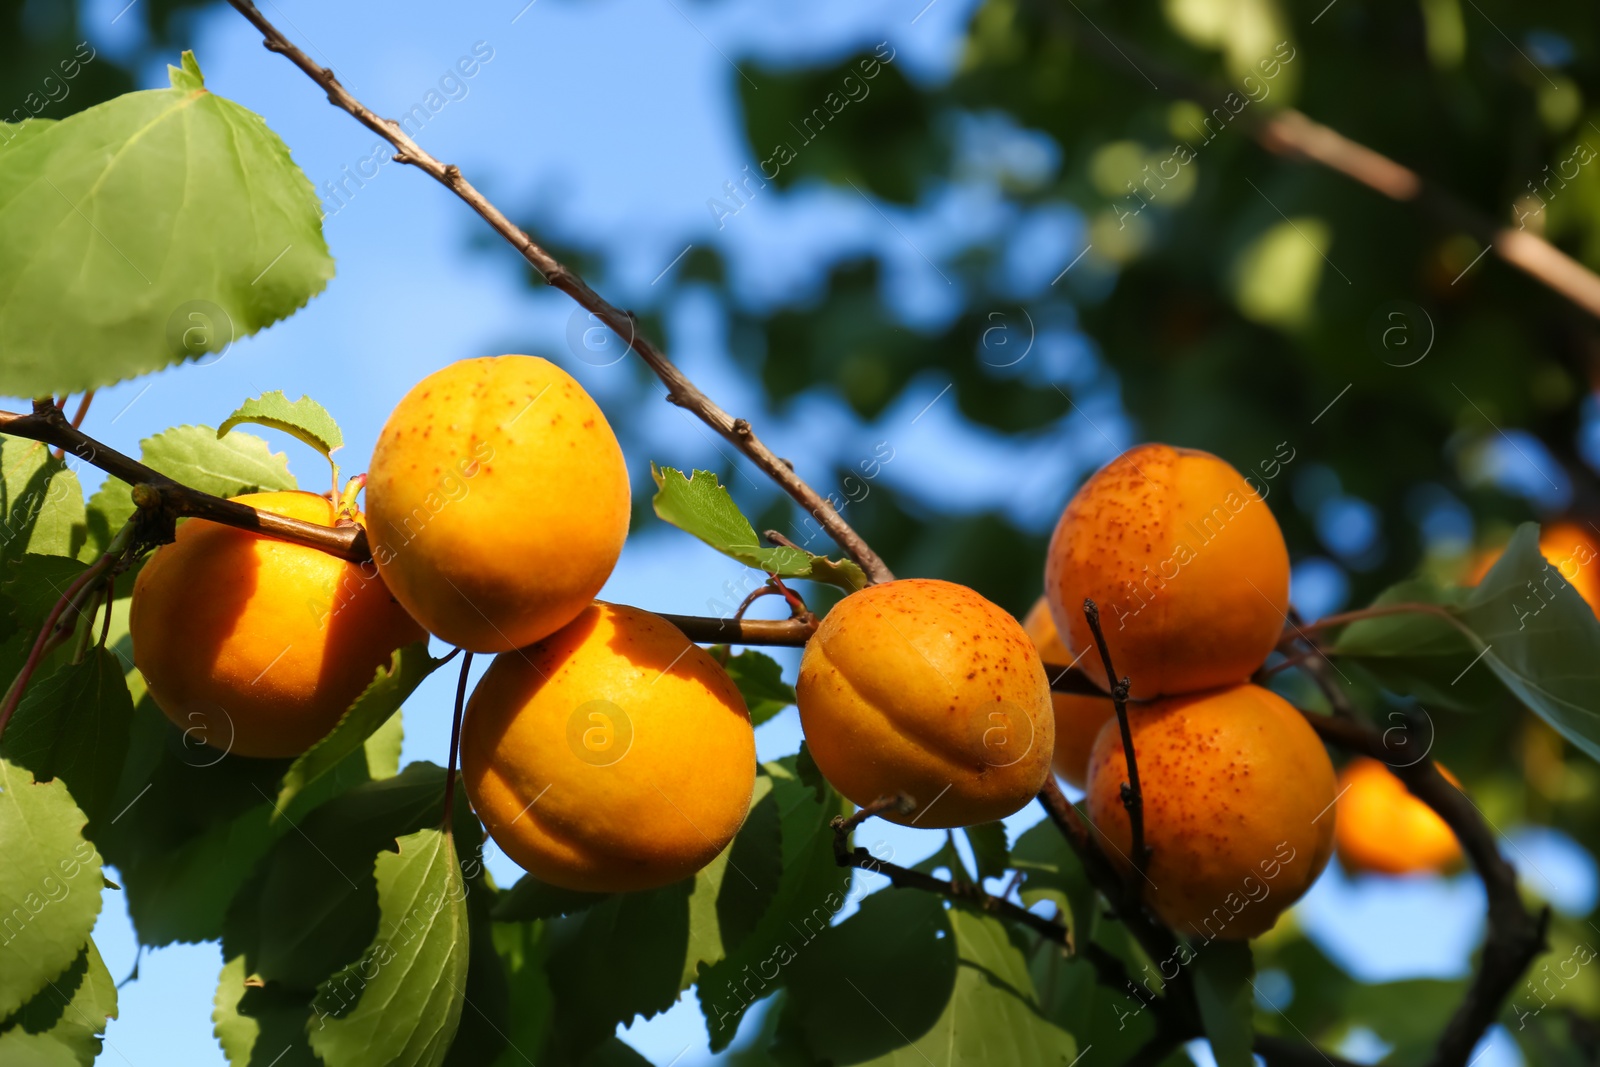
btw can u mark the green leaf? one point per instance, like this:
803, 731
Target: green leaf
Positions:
261, 1023
41, 502
1052, 871
238, 463
377, 703
1223, 988
989, 849
531, 899
49, 884
810, 890
63, 1025
400, 1005
304, 418
34, 585
1526, 622
127, 219
702, 507
523, 949
74, 726
760, 681
809, 774
16, 134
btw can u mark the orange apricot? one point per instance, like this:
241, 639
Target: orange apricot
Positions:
257, 646
1566, 546
612, 756
1384, 829
498, 500
1186, 564
1078, 717
1238, 807
924, 688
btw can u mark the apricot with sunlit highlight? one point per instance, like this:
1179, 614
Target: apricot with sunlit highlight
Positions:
498, 500
257, 646
1078, 717
1239, 808
613, 756
1186, 564
1385, 829
925, 689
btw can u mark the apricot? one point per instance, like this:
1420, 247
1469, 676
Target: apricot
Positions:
498, 500
1384, 829
1238, 808
612, 756
257, 646
924, 688
1186, 564
1078, 717
1566, 546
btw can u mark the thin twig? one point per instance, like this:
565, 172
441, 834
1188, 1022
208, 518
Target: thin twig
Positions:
1515, 936
680, 390
906, 878
1132, 795
158, 493
455, 745
703, 629
1291, 134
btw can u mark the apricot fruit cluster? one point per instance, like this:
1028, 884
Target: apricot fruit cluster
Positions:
1189, 574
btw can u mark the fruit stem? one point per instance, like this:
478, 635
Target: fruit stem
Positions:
347, 501
1132, 795
455, 746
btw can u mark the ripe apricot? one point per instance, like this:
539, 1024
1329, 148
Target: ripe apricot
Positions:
1566, 546
924, 688
257, 646
1078, 717
614, 755
1238, 807
1186, 564
498, 500
1384, 829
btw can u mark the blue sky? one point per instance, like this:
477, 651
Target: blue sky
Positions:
618, 119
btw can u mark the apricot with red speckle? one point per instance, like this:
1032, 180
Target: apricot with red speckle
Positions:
923, 688
1238, 808
522, 513
1184, 561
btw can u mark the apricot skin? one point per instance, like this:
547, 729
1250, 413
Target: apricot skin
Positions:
1384, 829
1184, 561
257, 646
1078, 717
612, 756
924, 688
498, 501
1238, 807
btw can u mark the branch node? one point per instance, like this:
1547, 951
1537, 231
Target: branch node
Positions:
741, 427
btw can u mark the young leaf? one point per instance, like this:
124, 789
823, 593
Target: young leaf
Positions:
988, 841
239, 463
381, 699
261, 1015
760, 682
702, 507
49, 884
401, 1003
74, 726
64, 1023
1524, 622
304, 418
41, 510
1223, 988
150, 209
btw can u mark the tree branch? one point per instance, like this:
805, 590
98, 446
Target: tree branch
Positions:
701, 629
1515, 936
1291, 134
680, 390
159, 494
